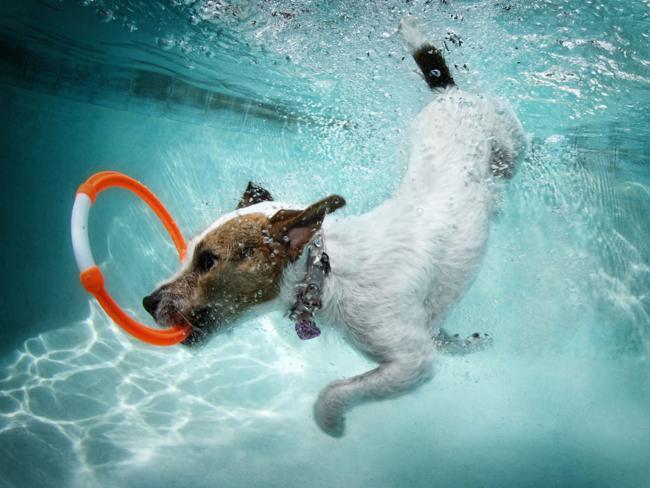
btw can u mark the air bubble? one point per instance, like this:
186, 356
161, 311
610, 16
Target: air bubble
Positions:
105, 15
165, 43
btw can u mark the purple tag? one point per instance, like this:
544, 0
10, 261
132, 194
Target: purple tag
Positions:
307, 330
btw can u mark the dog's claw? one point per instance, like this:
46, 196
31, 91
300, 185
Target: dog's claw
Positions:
456, 345
478, 342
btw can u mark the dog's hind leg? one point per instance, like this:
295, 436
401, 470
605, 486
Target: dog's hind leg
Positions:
456, 345
389, 379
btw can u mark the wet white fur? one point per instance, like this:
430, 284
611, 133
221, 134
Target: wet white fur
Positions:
398, 269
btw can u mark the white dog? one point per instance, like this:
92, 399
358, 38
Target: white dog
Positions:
387, 277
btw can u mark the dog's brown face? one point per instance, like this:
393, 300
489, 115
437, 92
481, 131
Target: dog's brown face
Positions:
236, 265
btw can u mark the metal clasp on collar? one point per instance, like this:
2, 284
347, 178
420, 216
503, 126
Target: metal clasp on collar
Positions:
309, 291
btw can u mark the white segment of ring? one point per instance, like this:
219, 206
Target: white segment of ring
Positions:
79, 229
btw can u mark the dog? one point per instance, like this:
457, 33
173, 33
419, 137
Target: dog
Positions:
388, 277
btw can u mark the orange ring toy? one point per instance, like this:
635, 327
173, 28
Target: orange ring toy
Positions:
91, 276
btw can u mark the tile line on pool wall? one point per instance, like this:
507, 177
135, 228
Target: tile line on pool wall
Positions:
137, 90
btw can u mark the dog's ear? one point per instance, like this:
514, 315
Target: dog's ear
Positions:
294, 228
254, 194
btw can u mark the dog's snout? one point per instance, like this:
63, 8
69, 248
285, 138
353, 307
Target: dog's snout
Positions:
150, 302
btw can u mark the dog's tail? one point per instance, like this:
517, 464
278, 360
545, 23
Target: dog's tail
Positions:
428, 58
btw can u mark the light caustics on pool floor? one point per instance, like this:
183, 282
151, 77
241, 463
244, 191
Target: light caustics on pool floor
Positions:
87, 397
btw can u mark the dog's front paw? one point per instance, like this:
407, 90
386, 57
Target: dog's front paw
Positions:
329, 416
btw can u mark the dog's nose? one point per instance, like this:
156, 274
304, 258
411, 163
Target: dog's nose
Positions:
150, 302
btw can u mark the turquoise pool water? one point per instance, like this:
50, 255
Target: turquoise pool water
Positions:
308, 98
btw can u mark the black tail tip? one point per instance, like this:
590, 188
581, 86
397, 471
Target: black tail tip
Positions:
434, 68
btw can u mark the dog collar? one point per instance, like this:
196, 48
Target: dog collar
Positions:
309, 290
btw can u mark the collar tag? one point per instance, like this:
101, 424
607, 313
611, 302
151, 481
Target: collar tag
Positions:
309, 290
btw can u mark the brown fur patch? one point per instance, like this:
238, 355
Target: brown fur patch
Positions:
248, 262
237, 265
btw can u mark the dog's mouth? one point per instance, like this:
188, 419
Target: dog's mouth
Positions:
200, 331
202, 323
169, 311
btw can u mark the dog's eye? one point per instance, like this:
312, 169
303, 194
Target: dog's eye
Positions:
246, 251
207, 259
